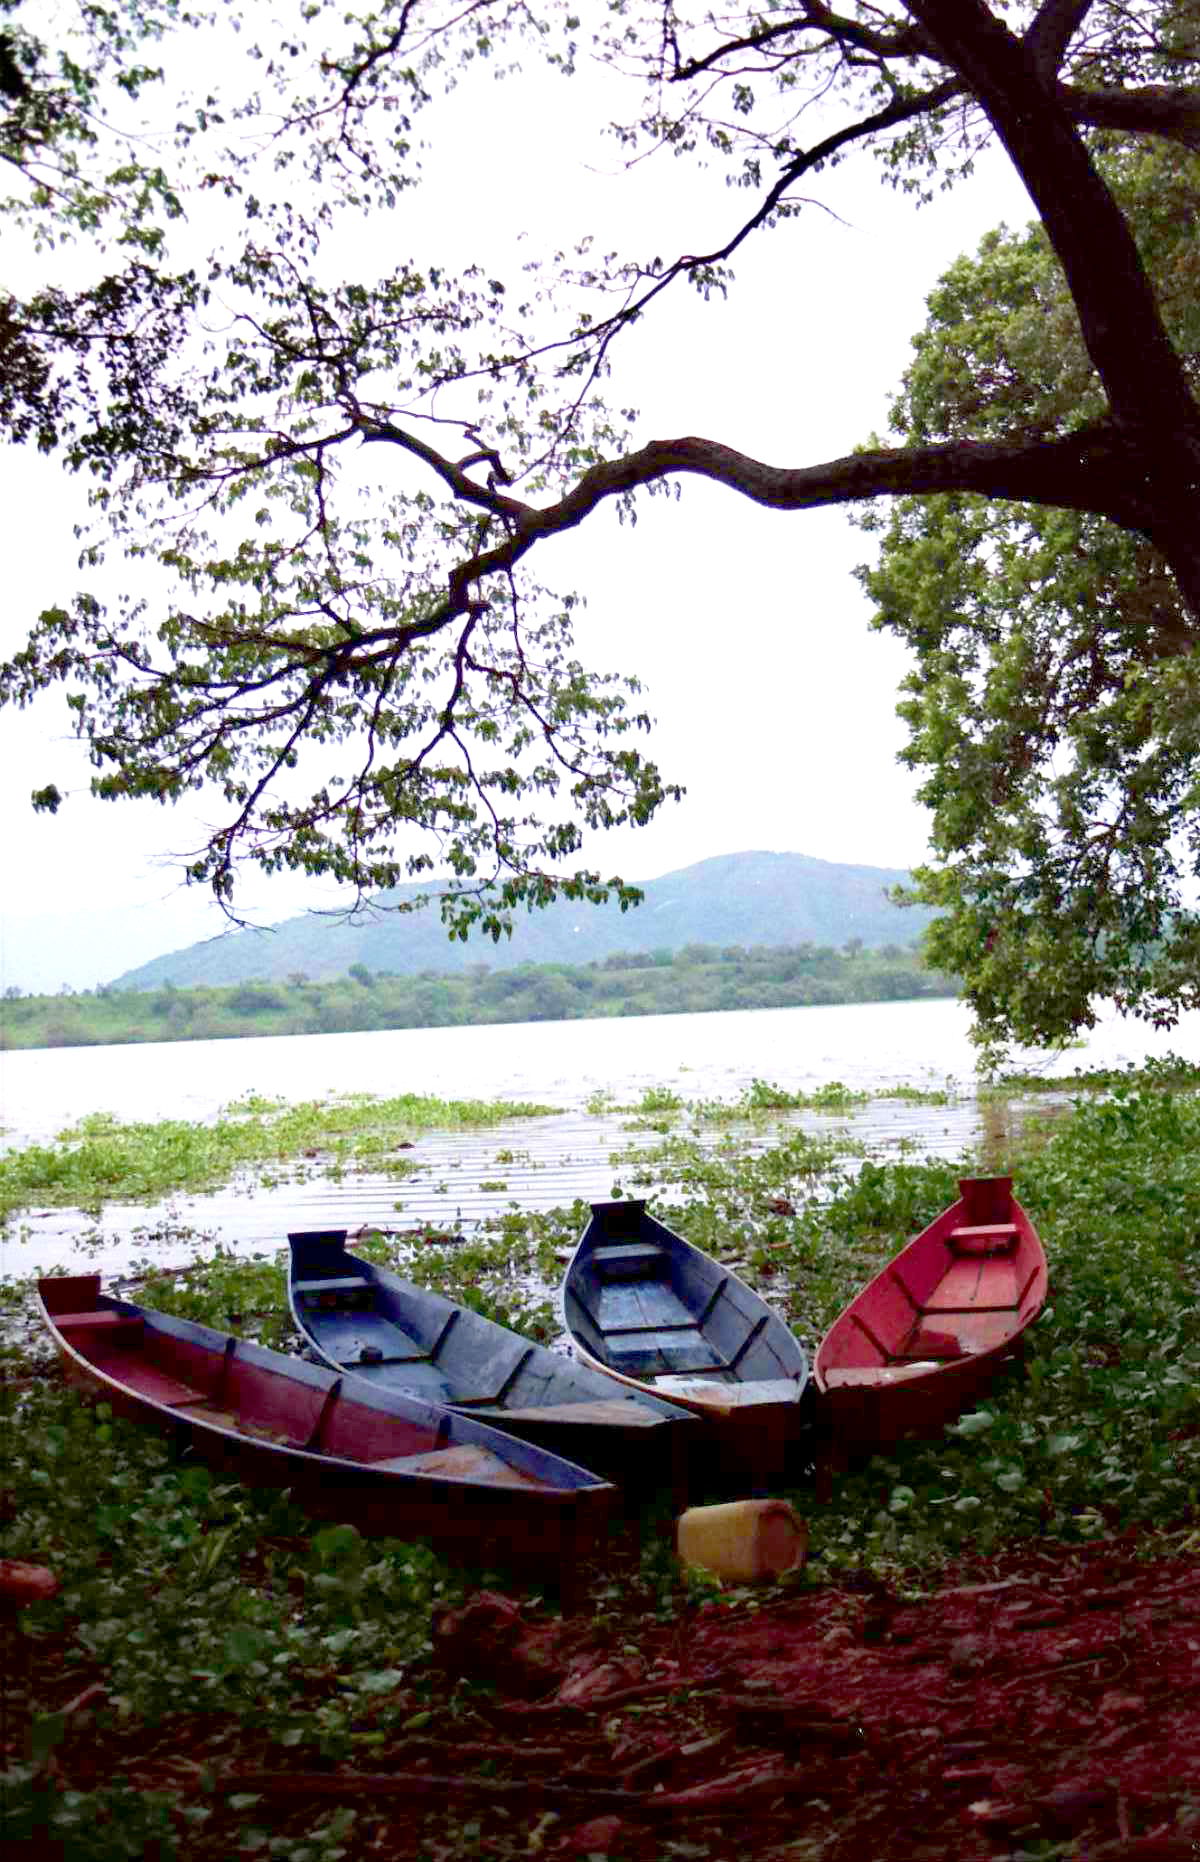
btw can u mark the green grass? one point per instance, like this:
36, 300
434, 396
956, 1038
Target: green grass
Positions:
102, 1159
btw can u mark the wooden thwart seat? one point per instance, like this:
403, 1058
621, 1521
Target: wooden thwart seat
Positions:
99, 1321
343, 1283
656, 1325
730, 1395
984, 1238
626, 1260
365, 1362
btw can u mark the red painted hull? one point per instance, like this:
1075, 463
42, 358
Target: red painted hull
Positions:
378, 1461
930, 1332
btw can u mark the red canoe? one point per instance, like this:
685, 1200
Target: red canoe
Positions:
385, 1462
929, 1332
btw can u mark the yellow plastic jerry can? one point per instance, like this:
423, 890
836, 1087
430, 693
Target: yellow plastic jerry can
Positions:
744, 1541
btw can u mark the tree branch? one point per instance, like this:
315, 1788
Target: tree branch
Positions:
1142, 375
1047, 39
452, 473
1085, 471
906, 42
1152, 109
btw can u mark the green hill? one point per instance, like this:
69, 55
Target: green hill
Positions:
745, 899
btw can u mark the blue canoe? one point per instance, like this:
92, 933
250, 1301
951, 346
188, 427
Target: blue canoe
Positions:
395, 1335
375, 1458
644, 1305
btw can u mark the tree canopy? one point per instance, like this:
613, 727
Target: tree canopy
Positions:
1053, 705
347, 661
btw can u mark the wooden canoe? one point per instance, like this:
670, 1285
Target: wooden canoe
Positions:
393, 1335
644, 1305
930, 1332
381, 1461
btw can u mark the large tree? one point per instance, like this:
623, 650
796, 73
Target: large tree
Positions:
1053, 705
401, 646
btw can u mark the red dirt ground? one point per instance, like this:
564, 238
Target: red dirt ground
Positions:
1051, 1698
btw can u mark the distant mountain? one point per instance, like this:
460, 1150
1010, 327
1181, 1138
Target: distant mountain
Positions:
736, 898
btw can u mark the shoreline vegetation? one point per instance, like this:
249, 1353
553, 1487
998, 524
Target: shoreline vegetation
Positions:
103, 1158
695, 980
201, 1626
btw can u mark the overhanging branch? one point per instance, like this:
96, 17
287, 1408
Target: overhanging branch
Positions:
1085, 471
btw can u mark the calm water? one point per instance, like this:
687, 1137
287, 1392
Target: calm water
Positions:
561, 1064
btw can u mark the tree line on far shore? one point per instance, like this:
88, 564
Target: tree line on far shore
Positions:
697, 978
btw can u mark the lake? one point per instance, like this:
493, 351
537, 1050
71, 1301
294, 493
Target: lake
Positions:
868, 1046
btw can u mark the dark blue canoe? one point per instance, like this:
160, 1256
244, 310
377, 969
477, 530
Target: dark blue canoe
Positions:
377, 1459
394, 1335
644, 1305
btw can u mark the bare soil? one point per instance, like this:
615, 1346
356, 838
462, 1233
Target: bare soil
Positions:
1044, 1702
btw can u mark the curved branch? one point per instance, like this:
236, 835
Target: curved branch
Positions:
1086, 471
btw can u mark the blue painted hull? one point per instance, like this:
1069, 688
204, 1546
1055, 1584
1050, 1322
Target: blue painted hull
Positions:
644, 1305
394, 1335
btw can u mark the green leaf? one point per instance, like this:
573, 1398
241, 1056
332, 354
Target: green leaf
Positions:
978, 1422
47, 1731
383, 1681
243, 1646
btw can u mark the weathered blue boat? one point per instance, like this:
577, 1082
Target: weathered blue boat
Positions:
375, 1458
644, 1305
394, 1335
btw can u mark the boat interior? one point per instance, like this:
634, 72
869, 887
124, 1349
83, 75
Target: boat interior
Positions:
232, 1385
649, 1307
375, 1326
963, 1287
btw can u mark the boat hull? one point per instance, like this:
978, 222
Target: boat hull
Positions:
931, 1332
385, 1464
659, 1315
392, 1334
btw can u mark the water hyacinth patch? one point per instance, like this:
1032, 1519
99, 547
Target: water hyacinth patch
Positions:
102, 1158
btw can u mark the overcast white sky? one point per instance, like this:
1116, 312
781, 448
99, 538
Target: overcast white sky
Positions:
775, 705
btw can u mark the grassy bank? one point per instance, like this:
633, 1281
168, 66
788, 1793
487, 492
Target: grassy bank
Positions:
177, 1588
697, 979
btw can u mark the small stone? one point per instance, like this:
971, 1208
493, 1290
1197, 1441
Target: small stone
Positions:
967, 1654
591, 1679
489, 1640
22, 1584
595, 1838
